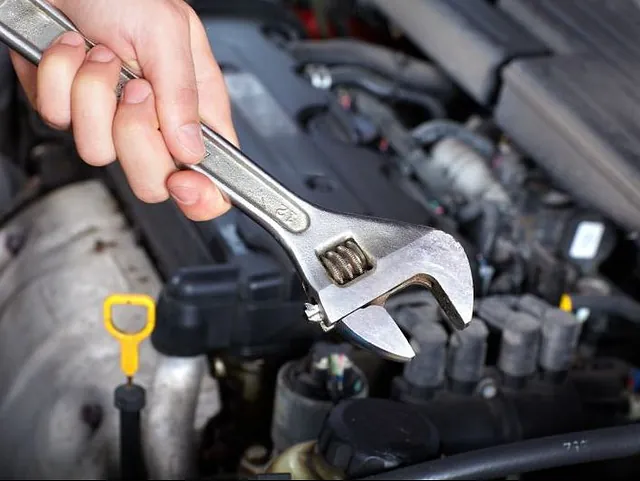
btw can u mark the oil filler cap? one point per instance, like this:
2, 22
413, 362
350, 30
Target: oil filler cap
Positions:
363, 437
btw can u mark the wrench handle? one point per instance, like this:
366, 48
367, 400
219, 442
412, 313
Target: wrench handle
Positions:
30, 26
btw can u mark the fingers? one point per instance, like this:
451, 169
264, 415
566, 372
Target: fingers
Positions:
196, 196
214, 106
93, 106
139, 144
148, 164
158, 119
56, 72
172, 76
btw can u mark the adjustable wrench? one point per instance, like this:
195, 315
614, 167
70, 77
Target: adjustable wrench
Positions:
350, 264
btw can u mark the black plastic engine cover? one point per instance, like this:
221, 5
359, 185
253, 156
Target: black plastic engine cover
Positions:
229, 283
270, 101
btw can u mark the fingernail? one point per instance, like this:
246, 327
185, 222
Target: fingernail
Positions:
72, 39
190, 136
184, 195
101, 54
136, 93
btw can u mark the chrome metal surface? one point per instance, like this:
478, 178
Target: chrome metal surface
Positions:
399, 254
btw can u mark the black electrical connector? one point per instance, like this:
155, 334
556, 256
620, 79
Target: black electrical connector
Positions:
130, 400
245, 310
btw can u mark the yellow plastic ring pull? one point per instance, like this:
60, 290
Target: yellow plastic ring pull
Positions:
129, 342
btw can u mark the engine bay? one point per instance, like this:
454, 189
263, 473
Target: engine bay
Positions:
509, 124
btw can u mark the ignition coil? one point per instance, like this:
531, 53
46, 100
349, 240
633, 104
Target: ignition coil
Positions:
466, 357
519, 349
424, 375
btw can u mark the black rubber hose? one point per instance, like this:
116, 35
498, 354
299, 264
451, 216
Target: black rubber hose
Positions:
620, 306
407, 71
527, 456
385, 88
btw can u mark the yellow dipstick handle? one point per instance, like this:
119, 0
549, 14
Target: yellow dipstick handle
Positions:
129, 342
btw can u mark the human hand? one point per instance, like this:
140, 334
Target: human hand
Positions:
158, 118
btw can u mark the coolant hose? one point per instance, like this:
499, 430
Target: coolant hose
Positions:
407, 71
527, 456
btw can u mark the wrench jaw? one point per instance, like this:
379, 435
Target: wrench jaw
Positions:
400, 256
374, 329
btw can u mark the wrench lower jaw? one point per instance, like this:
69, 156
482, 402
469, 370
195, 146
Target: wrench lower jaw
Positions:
375, 330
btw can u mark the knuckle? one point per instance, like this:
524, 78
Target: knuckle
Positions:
125, 122
53, 64
131, 125
187, 97
89, 81
52, 52
58, 58
191, 14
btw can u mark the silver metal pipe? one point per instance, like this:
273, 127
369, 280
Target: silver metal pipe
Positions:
169, 426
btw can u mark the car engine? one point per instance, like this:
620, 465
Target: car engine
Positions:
511, 124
